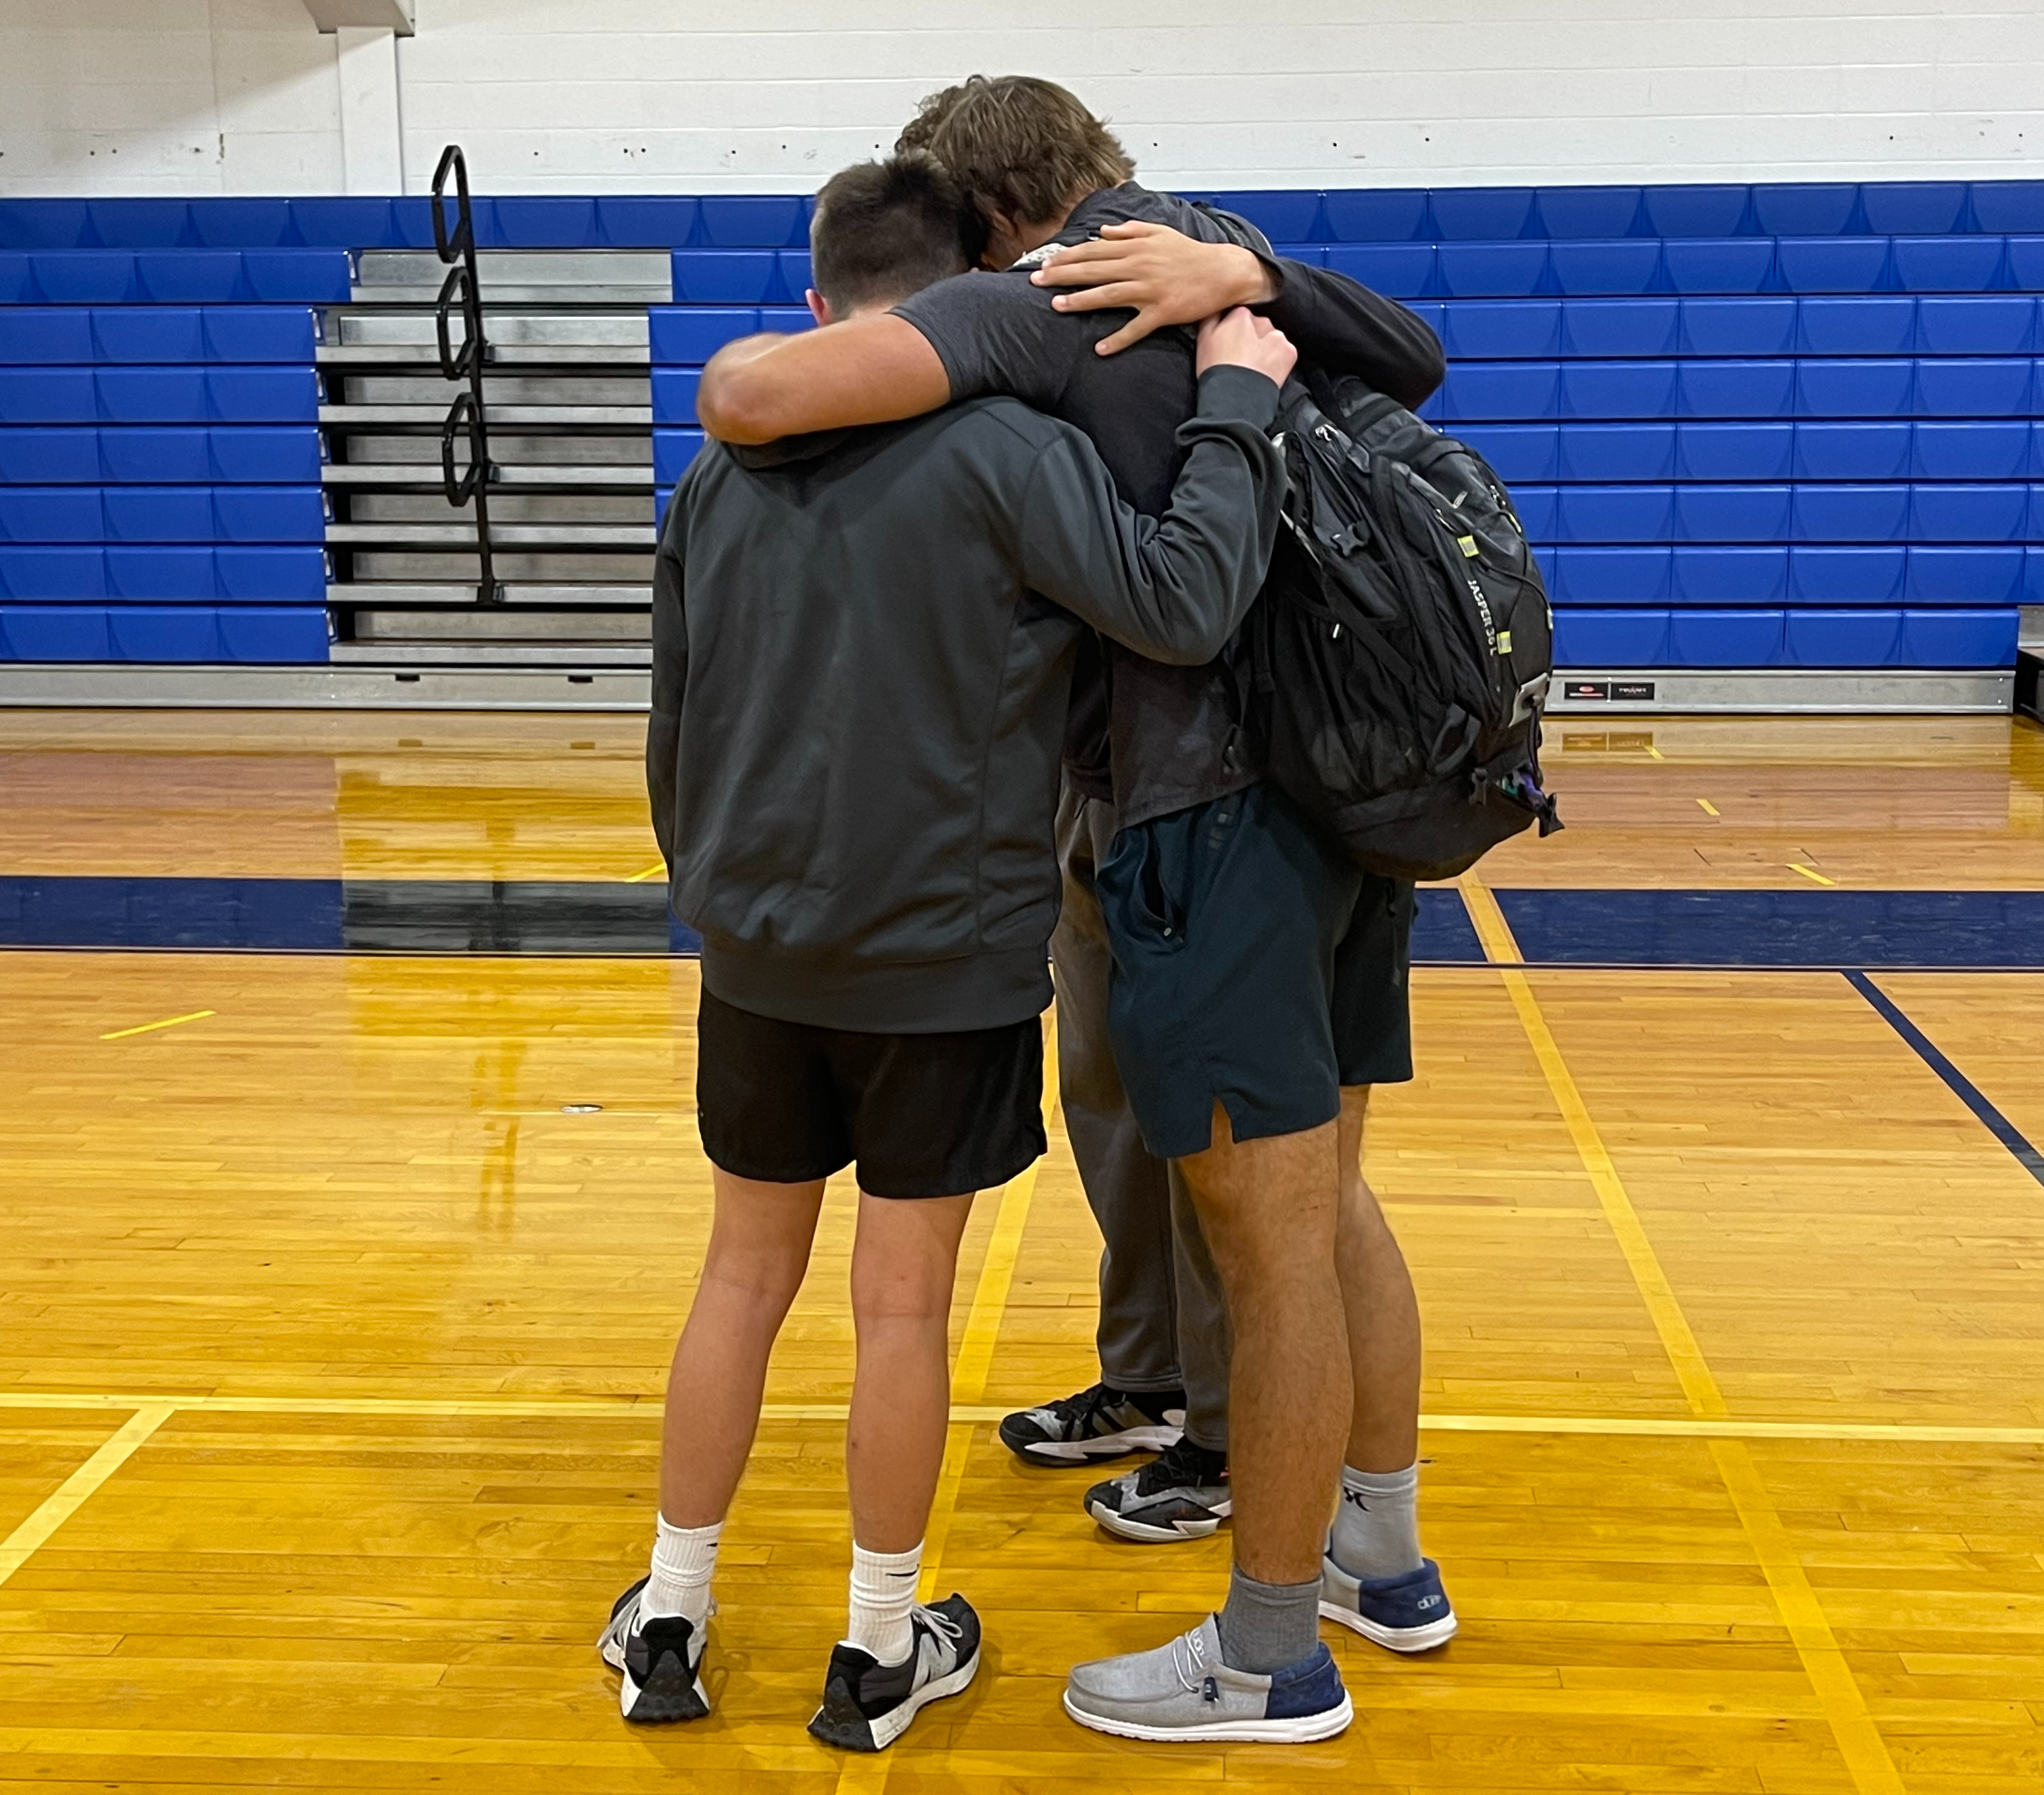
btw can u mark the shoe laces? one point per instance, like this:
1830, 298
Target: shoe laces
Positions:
1188, 1659
1182, 1465
939, 1622
1078, 1413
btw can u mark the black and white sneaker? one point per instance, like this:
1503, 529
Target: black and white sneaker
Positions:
660, 1661
1183, 1494
867, 1705
1099, 1423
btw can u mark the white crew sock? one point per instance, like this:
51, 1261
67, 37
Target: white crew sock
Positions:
1377, 1527
683, 1558
883, 1592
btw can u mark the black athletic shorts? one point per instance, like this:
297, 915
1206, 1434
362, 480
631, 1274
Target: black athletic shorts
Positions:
923, 1115
1255, 965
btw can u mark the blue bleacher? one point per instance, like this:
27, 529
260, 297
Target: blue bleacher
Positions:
1793, 423
160, 451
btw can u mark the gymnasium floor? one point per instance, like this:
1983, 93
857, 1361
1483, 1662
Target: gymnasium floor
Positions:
331, 1341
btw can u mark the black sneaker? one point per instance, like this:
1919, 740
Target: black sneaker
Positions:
1181, 1495
1099, 1423
867, 1705
660, 1661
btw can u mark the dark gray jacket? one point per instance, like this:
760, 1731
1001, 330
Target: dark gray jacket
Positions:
862, 653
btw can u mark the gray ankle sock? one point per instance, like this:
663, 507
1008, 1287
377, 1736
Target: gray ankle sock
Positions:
1377, 1527
1265, 1627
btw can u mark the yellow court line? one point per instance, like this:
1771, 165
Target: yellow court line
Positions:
1859, 1741
1810, 873
982, 1329
488, 1408
657, 870
167, 1023
1710, 809
77, 1489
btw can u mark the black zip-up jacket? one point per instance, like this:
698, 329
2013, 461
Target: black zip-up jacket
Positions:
862, 652
1165, 730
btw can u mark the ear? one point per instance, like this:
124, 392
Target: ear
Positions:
1001, 237
819, 306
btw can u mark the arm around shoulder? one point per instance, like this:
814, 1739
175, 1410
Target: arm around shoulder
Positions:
871, 370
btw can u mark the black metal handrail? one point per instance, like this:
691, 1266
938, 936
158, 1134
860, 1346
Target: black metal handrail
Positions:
467, 415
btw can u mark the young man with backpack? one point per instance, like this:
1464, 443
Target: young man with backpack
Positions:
1258, 978
862, 647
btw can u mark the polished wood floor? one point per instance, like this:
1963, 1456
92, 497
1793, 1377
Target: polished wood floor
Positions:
331, 1346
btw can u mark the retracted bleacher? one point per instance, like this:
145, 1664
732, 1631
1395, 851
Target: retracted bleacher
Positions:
1769, 427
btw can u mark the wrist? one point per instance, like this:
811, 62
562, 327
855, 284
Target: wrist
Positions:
1256, 282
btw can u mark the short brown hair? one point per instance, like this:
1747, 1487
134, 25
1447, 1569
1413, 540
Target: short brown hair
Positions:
883, 230
1018, 145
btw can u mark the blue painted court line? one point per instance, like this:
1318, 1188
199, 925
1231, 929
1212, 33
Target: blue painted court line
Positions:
342, 916
1830, 930
1826, 930
1998, 1125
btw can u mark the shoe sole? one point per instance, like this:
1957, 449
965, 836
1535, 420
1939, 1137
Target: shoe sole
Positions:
670, 1694
1096, 1451
1145, 1534
1391, 1639
1304, 1730
854, 1732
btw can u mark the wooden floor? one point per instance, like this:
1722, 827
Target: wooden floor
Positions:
331, 1347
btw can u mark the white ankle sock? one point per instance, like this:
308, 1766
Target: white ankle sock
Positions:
683, 1558
1377, 1527
883, 1591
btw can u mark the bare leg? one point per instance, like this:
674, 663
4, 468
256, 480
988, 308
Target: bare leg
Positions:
759, 1250
1383, 1313
904, 1264
1268, 1208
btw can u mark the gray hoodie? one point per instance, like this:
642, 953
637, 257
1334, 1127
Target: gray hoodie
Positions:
863, 655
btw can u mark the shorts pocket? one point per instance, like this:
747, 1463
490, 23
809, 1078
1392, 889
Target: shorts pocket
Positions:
1136, 894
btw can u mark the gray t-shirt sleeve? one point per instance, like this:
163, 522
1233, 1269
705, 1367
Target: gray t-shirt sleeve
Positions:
997, 333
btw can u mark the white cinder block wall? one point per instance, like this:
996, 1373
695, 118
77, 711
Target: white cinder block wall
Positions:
580, 96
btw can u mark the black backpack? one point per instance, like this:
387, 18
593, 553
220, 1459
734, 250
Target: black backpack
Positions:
1398, 660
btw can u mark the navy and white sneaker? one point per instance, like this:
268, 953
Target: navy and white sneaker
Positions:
1407, 1612
660, 1660
1183, 1494
1099, 1423
1182, 1693
867, 1705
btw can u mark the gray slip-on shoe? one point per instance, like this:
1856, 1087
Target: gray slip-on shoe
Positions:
1182, 1692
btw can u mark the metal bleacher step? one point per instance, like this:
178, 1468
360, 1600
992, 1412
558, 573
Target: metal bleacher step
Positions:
425, 476
514, 277
580, 507
502, 355
383, 623
350, 417
565, 327
602, 455
517, 594
542, 566
505, 535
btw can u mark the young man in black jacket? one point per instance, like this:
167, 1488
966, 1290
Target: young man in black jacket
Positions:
1258, 981
863, 649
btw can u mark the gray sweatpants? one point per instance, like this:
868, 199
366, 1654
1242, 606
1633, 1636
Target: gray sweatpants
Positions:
1163, 1323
